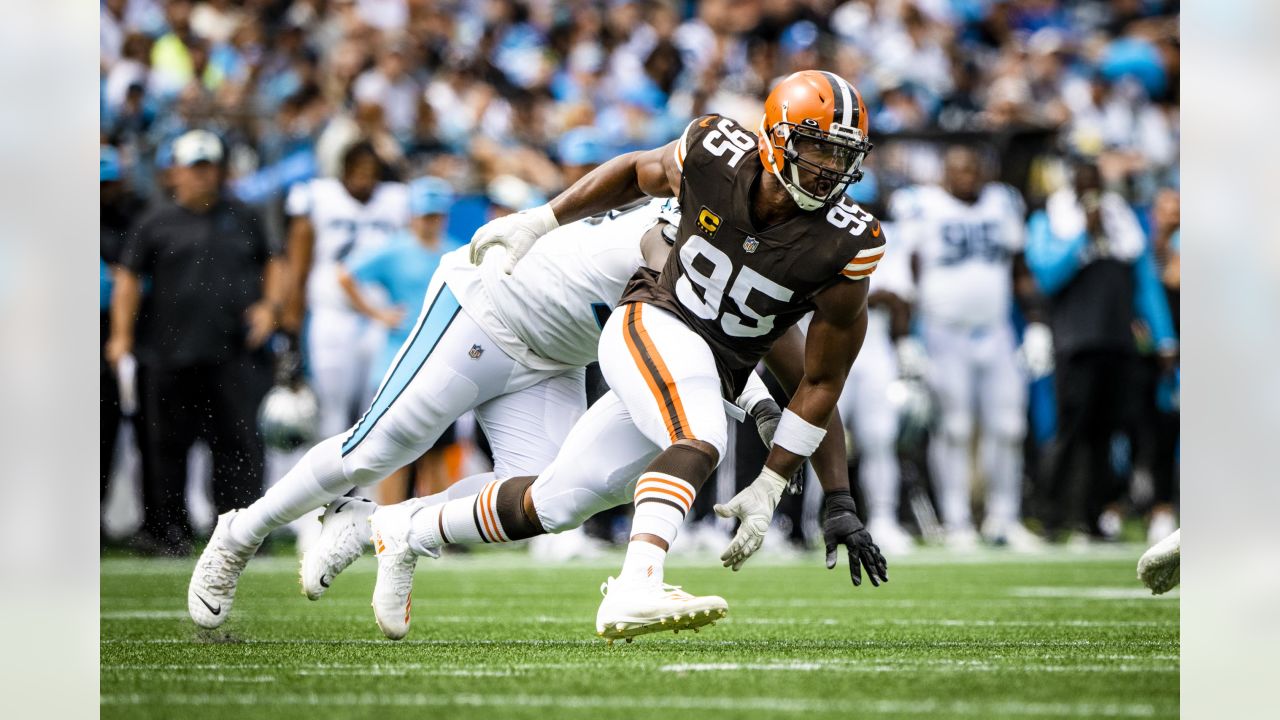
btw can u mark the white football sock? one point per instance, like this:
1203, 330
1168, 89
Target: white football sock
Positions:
314, 482
1002, 461
643, 563
949, 460
661, 503
878, 471
466, 520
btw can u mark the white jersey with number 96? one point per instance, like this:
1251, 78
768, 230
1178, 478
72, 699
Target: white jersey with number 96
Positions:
965, 251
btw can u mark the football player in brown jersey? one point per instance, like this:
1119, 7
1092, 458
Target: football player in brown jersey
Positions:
766, 236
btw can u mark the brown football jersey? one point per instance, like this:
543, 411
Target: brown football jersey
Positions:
737, 285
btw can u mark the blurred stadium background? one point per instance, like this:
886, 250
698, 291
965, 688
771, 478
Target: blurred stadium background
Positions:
509, 101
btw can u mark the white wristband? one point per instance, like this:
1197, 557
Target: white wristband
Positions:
797, 435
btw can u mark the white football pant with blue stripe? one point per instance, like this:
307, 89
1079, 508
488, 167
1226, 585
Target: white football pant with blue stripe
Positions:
449, 366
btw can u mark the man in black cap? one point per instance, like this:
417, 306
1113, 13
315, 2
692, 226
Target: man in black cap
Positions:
213, 292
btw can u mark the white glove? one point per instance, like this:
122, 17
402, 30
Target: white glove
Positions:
754, 507
516, 233
1037, 350
913, 360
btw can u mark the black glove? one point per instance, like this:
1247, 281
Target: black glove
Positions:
842, 527
767, 415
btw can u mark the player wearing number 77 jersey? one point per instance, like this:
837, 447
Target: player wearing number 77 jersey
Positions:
766, 236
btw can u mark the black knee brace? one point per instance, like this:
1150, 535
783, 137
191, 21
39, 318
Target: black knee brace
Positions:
516, 525
690, 460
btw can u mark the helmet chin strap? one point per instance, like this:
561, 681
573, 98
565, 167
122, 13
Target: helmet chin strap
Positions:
803, 199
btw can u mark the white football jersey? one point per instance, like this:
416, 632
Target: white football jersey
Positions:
343, 226
549, 312
964, 251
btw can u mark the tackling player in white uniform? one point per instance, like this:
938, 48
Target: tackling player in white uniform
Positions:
511, 348
333, 218
967, 238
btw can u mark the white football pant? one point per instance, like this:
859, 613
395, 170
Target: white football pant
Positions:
976, 369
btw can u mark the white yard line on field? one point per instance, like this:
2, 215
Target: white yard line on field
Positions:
672, 702
931, 666
1090, 593
1157, 662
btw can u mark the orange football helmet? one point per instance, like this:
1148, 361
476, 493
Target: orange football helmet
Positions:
814, 136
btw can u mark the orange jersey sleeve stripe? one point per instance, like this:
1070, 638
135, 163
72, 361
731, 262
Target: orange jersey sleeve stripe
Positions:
858, 274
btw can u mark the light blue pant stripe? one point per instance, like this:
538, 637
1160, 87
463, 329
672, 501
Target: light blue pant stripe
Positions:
439, 316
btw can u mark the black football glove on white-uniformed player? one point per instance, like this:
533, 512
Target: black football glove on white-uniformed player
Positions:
842, 527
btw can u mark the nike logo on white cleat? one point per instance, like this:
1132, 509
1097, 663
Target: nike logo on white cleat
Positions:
215, 610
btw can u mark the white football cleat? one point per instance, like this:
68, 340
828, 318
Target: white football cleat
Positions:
1163, 524
393, 591
891, 537
1013, 535
344, 530
636, 608
1160, 567
213, 582
962, 540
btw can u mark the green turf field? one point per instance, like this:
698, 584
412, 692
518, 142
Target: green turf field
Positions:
990, 636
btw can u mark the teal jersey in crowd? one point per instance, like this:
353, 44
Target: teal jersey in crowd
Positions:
402, 267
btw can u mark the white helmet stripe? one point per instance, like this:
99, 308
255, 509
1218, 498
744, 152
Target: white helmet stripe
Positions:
844, 106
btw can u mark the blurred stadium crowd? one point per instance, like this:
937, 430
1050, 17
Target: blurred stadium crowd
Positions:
490, 106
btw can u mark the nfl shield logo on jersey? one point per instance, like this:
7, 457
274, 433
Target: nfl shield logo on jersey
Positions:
750, 244
475, 352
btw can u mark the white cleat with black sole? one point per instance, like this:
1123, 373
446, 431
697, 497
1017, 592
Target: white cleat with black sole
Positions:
217, 572
393, 591
344, 530
637, 608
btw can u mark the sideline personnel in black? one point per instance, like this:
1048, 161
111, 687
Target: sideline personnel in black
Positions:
1091, 257
214, 289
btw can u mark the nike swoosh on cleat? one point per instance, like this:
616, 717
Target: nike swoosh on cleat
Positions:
340, 507
322, 582
212, 609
